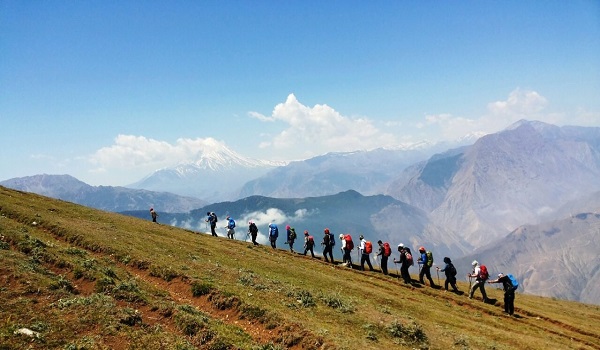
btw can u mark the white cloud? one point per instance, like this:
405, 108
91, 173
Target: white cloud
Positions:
320, 129
520, 104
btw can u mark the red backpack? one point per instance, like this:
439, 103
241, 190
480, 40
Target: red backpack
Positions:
483, 273
368, 247
349, 243
409, 258
387, 250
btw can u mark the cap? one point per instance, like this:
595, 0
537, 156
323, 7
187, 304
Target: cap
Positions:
401, 245
151, 209
361, 237
379, 242
500, 275
305, 232
474, 263
228, 217
249, 222
341, 236
287, 227
421, 248
326, 230
208, 213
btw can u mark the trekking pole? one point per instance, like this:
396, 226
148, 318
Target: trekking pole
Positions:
438, 273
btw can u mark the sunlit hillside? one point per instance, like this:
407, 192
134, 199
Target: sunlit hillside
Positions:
79, 278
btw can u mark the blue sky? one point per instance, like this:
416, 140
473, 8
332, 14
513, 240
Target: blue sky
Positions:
108, 91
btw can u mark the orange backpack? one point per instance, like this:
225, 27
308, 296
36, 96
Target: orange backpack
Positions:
368, 247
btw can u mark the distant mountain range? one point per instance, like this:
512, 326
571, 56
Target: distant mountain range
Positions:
107, 198
520, 175
215, 175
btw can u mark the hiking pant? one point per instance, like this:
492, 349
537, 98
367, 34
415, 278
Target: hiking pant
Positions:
291, 244
451, 281
384, 260
309, 248
347, 257
363, 258
426, 272
212, 229
273, 241
404, 272
230, 233
481, 285
509, 302
328, 250
254, 239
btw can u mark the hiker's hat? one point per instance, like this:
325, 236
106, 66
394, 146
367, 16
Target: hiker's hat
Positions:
249, 222
474, 263
287, 227
326, 230
341, 236
305, 232
500, 275
379, 242
401, 245
421, 248
151, 209
361, 237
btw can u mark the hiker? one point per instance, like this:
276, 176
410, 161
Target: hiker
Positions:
347, 246
450, 271
509, 292
212, 220
406, 261
253, 231
480, 278
426, 261
365, 248
291, 237
154, 215
273, 233
309, 243
328, 243
384, 252
230, 227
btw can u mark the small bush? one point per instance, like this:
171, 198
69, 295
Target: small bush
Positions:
129, 316
305, 299
201, 288
104, 284
337, 302
190, 321
166, 273
62, 283
411, 333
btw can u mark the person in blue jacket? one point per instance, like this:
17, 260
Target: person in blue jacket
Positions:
425, 268
230, 227
273, 233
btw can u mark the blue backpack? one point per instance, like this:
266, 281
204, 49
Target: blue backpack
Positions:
513, 281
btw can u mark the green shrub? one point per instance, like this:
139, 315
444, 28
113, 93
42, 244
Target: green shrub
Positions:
201, 288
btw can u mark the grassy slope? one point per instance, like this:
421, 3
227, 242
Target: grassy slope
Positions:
87, 279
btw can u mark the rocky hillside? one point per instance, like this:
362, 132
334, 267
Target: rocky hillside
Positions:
504, 180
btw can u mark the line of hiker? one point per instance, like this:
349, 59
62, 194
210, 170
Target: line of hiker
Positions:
479, 273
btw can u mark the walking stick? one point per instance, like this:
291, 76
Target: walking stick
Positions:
438, 273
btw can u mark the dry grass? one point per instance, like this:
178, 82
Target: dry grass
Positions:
87, 279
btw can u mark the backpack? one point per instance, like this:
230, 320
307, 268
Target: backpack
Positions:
292, 234
349, 243
483, 273
368, 247
429, 258
451, 270
513, 281
311, 241
409, 258
214, 217
387, 250
331, 239
231, 223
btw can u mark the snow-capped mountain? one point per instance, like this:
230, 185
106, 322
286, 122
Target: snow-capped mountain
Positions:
214, 174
